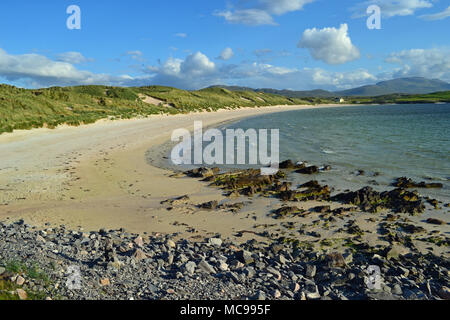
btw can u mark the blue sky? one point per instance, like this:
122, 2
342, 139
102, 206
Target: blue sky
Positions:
284, 44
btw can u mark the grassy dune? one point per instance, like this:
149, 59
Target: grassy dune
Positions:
27, 108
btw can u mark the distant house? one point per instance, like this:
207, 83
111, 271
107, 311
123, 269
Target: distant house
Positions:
339, 100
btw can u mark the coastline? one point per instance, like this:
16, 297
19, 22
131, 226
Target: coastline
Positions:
88, 176
88, 197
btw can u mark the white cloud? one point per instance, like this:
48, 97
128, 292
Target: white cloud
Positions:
261, 12
181, 35
392, 8
195, 71
135, 55
437, 16
72, 57
428, 63
252, 17
330, 45
226, 54
39, 71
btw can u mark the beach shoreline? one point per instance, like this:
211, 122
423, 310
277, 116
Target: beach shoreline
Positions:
99, 177
88, 175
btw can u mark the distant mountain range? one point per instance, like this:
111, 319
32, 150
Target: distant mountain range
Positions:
414, 85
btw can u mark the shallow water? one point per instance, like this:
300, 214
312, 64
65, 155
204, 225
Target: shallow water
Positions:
392, 140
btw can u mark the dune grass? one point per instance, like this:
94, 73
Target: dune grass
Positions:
50, 107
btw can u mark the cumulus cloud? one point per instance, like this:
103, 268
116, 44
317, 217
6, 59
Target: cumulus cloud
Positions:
72, 57
330, 45
437, 16
226, 54
260, 12
428, 63
39, 71
195, 71
392, 8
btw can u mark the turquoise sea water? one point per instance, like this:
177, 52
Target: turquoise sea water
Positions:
392, 140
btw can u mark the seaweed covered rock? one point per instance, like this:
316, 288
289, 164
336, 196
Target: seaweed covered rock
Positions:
249, 182
309, 170
202, 172
314, 191
407, 183
285, 212
398, 200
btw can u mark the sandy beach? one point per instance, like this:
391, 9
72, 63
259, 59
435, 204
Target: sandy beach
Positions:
96, 176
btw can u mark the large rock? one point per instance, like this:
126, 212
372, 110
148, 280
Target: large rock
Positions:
245, 257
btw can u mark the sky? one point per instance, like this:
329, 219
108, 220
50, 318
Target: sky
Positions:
282, 44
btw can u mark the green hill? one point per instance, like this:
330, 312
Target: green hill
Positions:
27, 108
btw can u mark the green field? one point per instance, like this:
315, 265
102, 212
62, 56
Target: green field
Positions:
443, 96
27, 108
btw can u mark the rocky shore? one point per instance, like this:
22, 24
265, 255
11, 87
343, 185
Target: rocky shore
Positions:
44, 264
58, 263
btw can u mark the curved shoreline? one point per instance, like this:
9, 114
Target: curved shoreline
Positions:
91, 175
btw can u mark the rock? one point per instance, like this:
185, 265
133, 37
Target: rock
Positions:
436, 221
309, 170
284, 212
397, 289
295, 287
215, 242
310, 271
177, 201
2, 270
22, 294
250, 272
406, 183
394, 252
335, 260
20, 280
321, 209
276, 294
171, 244
190, 267
348, 258
105, 282
139, 255
206, 267
202, 172
312, 291
260, 295
139, 241
287, 164
210, 205
223, 266
275, 272
444, 293
39, 238
245, 257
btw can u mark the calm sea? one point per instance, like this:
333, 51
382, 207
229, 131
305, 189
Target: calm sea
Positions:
385, 141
